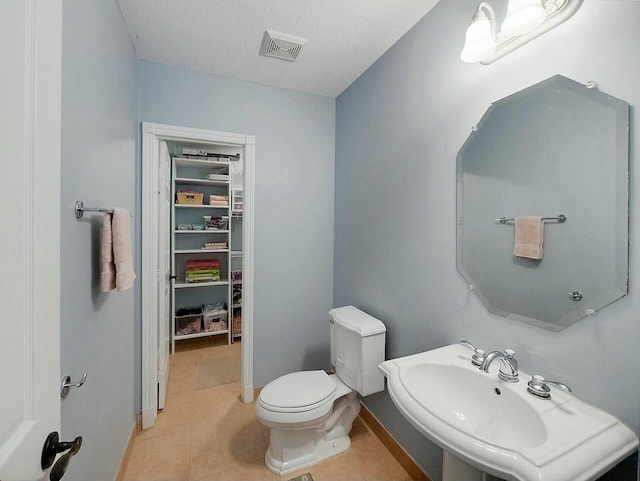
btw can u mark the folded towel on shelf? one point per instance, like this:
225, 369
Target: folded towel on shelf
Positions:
108, 270
195, 264
122, 250
194, 274
529, 237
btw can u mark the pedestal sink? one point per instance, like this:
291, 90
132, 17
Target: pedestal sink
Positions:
497, 427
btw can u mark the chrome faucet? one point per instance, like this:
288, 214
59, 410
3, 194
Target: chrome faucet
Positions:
508, 364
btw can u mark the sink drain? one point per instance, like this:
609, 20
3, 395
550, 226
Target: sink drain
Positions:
498, 391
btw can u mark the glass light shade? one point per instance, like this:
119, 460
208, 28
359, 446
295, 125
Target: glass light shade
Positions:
523, 16
479, 42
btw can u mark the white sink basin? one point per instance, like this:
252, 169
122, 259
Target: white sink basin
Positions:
497, 426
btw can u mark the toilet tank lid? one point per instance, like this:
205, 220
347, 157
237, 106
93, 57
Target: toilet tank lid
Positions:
354, 320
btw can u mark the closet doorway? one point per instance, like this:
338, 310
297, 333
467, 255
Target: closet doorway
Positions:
197, 252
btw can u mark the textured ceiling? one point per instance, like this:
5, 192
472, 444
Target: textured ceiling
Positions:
224, 36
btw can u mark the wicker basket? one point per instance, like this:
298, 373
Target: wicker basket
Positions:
236, 327
190, 197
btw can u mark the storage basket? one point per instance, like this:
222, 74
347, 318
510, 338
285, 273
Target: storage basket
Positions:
189, 197
188, 321
215, 320
236, 328
216, 223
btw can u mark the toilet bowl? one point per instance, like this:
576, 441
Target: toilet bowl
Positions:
310, 413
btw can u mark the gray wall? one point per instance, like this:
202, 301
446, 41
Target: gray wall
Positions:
98, 166
398, 129
294, 176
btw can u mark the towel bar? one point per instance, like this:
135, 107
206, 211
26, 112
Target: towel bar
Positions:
80, 209
560, 218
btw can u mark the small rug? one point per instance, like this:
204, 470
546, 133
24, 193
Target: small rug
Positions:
302, 477
217, 370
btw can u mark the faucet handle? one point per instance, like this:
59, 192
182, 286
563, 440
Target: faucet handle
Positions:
478, 355
508, 366
538, 386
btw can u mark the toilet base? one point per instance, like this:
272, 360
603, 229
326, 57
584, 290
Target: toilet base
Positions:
294, 449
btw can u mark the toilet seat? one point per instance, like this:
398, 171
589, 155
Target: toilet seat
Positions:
299, 399
298, 392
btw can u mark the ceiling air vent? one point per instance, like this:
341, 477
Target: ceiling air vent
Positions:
281, 45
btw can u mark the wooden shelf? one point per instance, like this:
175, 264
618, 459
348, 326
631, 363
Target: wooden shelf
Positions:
187, 285
200, 334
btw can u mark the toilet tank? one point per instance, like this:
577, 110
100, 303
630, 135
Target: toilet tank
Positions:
357, 348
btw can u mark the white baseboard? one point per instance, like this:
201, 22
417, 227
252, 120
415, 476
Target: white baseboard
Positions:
247, 393
149, 417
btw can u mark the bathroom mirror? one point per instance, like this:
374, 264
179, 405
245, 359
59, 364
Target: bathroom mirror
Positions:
555, 148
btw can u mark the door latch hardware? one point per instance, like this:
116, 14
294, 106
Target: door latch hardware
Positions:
52, 447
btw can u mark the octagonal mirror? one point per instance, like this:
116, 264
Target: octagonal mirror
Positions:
557, 149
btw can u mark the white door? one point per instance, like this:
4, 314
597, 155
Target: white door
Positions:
164, 269
30, 49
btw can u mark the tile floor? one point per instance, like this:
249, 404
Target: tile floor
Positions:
210, 434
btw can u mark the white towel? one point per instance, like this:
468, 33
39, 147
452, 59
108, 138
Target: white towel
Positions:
117, 262
529, 237
122, 250
108, 274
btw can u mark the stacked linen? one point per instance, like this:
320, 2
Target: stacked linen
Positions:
214, 245
219, 200
202, 270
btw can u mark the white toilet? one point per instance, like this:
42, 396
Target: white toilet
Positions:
310, 412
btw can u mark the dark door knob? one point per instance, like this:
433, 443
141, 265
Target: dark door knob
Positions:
52, 447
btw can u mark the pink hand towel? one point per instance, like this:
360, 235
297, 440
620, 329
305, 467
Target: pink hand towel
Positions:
529, 237
122, 250
108, 271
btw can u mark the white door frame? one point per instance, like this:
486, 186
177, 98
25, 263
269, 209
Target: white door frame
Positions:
152, 135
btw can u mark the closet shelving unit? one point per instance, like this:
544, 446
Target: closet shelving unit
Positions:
235, 312
191, 174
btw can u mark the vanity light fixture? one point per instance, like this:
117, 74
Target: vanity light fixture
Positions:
525, 20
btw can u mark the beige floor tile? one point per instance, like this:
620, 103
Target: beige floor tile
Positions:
253, 472
161, 458
182, 385
179, 371
182, 359
373, 460
222, 444
176, 416
366, 460
219, 402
